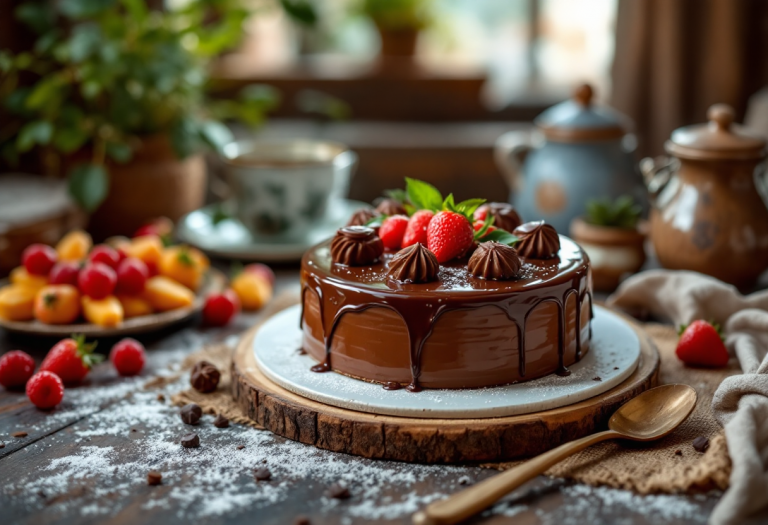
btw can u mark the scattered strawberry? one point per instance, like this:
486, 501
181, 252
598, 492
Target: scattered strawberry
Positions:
480, 214
97, 280
71, 359
16, 367
417, 228
45, 390
392, 231
104, 254
221, 308
701, 344
263, 270
64, 272
132, 275
449, 235
38, 259
478, 225
162, 227
127, 356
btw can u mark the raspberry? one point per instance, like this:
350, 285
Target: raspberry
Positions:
16, 367
45, 390
128, 357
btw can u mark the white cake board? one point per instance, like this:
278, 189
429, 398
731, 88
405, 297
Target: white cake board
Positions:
613, 356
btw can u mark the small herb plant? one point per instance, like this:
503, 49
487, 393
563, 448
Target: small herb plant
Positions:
623, 213
398, 14
102, 74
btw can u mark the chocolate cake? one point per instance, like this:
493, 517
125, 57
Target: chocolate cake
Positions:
502, 315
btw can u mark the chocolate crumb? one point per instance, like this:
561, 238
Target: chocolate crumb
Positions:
154, 478
204, 377
134, 430
597, 378
20, 434
41, 494
302, 520
161, 398
615, 367
221, 422
678, 452
2, 445
262, 474
191, 414
701, 444
338, 491
240, 447
464, 480
302, 351
190, 441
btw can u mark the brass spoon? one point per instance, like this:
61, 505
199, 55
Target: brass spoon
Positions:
651, 415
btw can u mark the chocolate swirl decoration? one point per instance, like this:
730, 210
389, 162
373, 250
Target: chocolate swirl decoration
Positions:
414, 264
356, 246
494, 261
537, 240
390, 207
504, 215
362, 217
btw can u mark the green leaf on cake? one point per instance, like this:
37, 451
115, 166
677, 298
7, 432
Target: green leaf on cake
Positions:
423, 195
487, 223
500, 236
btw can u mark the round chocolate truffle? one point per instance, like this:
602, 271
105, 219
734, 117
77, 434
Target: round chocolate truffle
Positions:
494, 261
356, 246
537, 240
504, 215
390, 207
414, 264
362, 217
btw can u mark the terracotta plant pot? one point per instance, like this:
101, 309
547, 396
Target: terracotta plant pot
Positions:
155, 183
399, 43
613, 252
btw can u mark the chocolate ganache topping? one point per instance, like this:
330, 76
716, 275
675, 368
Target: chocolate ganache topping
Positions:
362, 216
414, 264
356, 246
537, 240
390, 207
494, 261
504, 215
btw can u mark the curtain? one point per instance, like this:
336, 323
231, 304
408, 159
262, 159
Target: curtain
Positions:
675, 58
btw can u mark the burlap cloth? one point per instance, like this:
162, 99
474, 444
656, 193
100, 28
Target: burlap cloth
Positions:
670, 465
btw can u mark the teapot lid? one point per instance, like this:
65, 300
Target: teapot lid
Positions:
720, 138
579, 120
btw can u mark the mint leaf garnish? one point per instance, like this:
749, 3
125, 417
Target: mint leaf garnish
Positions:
469, 206
487, 223
501, 236
423, 195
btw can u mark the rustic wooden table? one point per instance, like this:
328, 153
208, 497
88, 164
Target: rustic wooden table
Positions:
87, 461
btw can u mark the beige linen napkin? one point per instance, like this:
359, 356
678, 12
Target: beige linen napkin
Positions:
740, 403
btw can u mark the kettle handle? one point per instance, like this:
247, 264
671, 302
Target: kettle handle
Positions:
509, 153
657, 172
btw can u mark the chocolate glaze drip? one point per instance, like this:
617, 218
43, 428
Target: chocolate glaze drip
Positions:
495, 261
392, 385
504, 215
356, 246
362, 216
414, 264
339, 297
390, 207
538, 240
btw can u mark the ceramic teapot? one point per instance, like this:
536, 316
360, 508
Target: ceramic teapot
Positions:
579, 151
708, 213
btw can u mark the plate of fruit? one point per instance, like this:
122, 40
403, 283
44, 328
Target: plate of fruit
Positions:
124, 286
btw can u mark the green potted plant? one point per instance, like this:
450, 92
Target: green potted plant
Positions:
613, 235
398, 23
113, 95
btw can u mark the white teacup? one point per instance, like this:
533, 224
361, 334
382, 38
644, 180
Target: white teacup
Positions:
282, 189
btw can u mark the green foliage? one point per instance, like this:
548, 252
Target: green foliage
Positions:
624, 212
501, 236
107, 72
423, 195
398, 14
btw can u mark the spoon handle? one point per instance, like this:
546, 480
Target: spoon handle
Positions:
470, 501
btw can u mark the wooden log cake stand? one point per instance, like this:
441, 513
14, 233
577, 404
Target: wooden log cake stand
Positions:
427, 440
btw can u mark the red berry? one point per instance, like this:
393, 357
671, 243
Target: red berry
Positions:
132, 275
45, 390
700, 344
97, 280
104, 254
392, 231
481, 213
263, 270
16, 367
449, 235
478, 225
162, 227
64, 272
417, 228
71, 359
38, 259
127, 356
220, 308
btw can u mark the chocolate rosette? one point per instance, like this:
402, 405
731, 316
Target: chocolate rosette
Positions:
494, 261
537, 240
356, 246
414, 264
390, 207
504, 215
362, 217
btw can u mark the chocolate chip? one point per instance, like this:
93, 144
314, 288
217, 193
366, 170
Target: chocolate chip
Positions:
220, 422
154, 478
20, 434
615, 367
701, 444
41, 494
161, 398
204, 377
262, 474
338, 491
302, 520
190, 441
191, 414
2, 445
597, 378
240, 447
134, 430
678, 452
